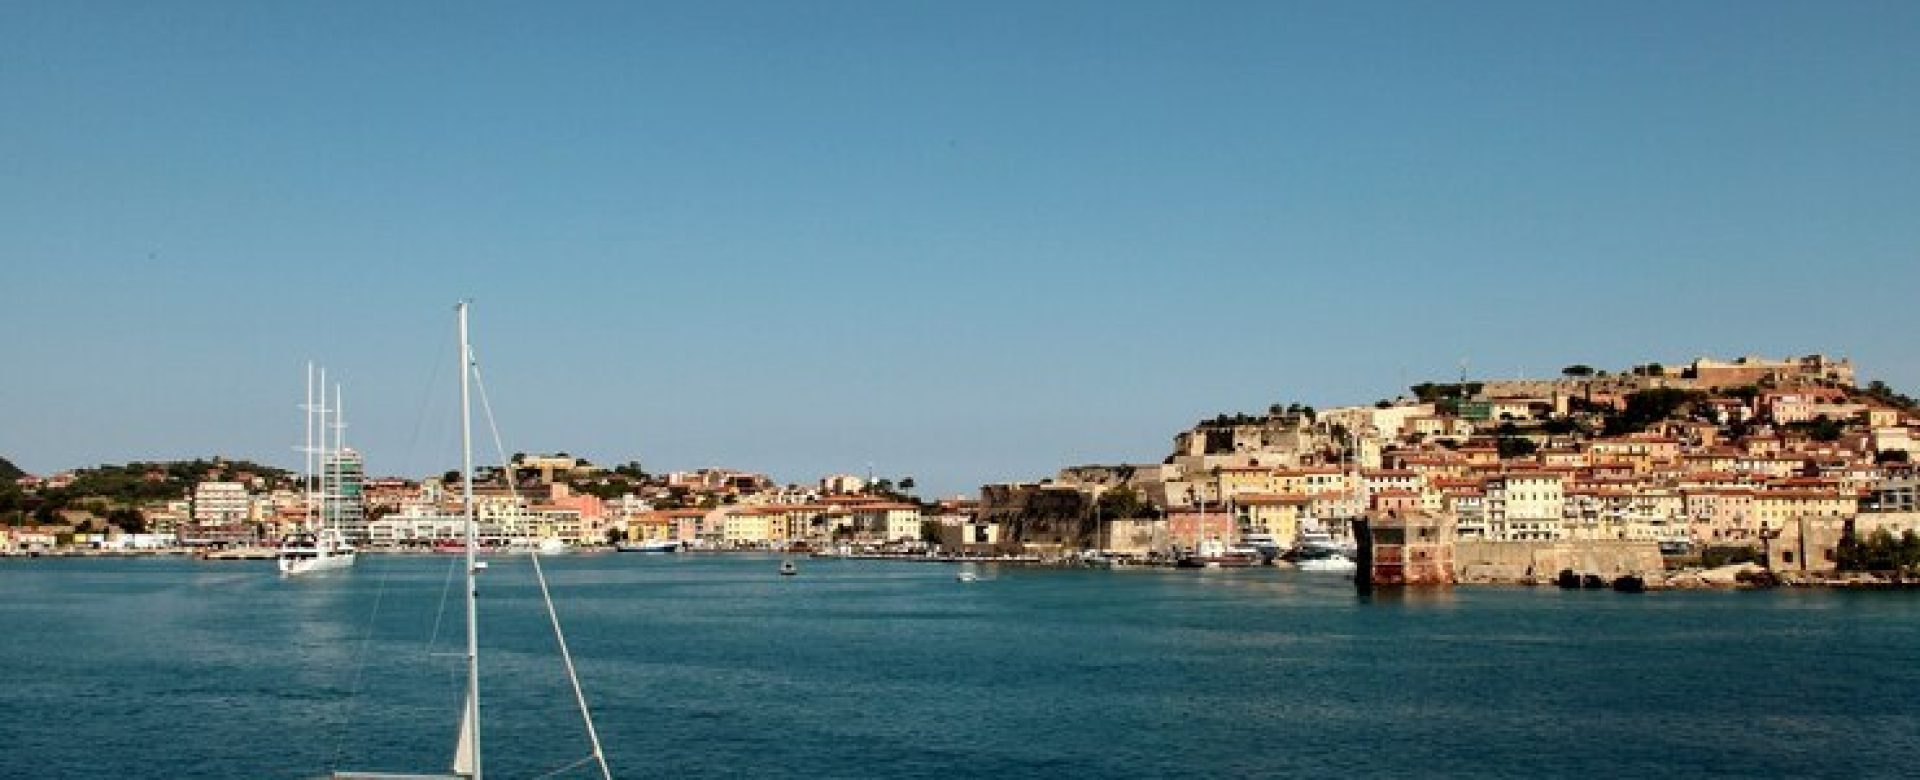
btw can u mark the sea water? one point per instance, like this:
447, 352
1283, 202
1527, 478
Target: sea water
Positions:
716, 666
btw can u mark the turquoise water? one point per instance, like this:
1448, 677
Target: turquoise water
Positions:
711, 666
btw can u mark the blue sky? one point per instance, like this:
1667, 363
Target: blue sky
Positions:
961, 241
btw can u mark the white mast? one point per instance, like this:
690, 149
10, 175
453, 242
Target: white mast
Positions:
339, 470
339, 466
306, 477
320, 473
466, 759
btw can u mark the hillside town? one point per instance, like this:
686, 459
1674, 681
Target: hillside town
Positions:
1781, 462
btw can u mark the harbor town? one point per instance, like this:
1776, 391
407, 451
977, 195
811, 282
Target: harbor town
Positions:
1715, 472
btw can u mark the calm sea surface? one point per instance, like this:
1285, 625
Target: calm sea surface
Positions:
714, 666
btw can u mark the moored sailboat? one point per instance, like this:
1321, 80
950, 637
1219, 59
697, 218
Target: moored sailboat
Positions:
467, 754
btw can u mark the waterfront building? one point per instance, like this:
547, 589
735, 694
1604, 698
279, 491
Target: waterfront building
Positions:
1719, 515
887, 522
1774, 509
221, 503
965, 534
343, 506
1409, 548
1526, 505
1278, 515
1187, 527
746, 527
1804, 543
652, 526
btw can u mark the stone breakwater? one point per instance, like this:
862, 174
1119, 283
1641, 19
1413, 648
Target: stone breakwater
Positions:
1539, 563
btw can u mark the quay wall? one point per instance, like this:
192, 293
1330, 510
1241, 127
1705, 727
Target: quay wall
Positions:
1484, 561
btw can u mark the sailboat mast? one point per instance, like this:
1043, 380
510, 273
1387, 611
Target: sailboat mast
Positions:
306, 476
339, 445
471, 719
320, 458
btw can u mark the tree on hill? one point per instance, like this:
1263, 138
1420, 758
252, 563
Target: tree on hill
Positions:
1515, 446
10, 472
1879, 391
1577, 371
1429, 392
128, 519
1647, 407
1122, 503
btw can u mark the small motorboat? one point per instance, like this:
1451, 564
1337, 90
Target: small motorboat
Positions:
966, 576
787, 569
657, 546
1327, 564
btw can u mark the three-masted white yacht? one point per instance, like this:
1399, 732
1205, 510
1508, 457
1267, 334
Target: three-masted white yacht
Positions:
320, 545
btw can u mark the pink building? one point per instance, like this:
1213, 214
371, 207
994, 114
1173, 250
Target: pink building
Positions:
1187, 527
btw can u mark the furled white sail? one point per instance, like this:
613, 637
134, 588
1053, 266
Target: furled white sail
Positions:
463, 752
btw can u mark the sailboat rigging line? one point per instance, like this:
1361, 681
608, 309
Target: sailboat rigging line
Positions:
566, 657
564, 769
420, 420
359, 671
446, 587
499, 447
553, 615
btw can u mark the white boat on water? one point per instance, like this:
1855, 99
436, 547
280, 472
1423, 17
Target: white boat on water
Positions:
1261, 545
656, 546
1318, 551
305, 553
544, 546
1333, 563
320, 546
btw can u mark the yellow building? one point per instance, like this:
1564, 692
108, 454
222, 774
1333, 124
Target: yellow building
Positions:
1773, 508
748, 527
1321, 479
1245, 479
1277, 515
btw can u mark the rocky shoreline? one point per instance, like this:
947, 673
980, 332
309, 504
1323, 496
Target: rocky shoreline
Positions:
1749, 576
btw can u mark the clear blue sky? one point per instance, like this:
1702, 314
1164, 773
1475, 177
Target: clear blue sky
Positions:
963, 241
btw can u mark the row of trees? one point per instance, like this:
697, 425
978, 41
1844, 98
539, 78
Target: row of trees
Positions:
114, 492
1647, 407
1584, 371
1879, 391
1880, 551
1430, 392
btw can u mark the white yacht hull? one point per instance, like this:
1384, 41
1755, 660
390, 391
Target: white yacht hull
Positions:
331, 562
1332, 564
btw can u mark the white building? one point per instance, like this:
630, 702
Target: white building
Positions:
221, 503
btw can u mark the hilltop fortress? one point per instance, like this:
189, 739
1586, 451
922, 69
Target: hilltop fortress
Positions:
1710, 453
